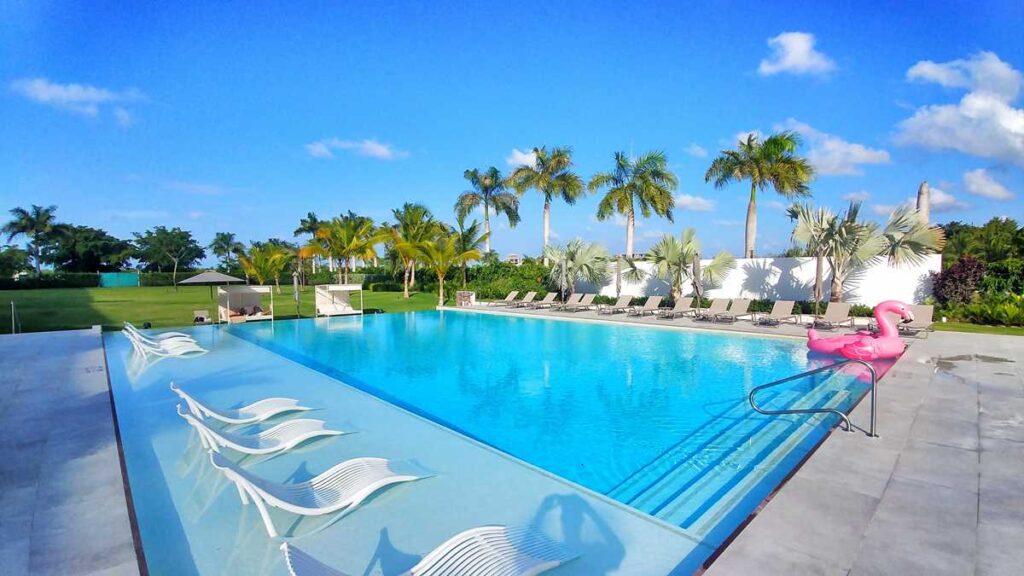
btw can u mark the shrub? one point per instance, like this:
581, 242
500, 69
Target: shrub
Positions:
52, 280
1002, 309
1004, 276
385, 287
958, 283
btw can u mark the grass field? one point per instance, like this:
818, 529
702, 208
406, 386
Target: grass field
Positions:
979, 328
68, 308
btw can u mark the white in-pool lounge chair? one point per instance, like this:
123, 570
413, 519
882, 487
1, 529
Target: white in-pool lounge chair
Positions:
168, 347
284, 436
782, 311
508, 299
255, 412
486, 550
718, 305
740, 307
649, 307
168, 335
526, 301
621, 305
585, 303
837, 314
343, 487
547, 302
571, 301
683, 307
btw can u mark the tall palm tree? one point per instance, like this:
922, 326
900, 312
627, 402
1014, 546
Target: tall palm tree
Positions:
644, 182
266, 262
35, 223
224, 246
440, 254
345, 239
489, 191
470, 238
575, 262
769, 163
414, 224
550, 175
309, 225
673, 261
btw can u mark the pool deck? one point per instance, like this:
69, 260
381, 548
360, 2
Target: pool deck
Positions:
63, 508
941, 491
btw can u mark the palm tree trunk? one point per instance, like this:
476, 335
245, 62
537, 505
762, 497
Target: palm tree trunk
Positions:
174, 275
405, 280
487, 229
630, 223
547, 226
412, 274
819, 271
440, 290
748, 245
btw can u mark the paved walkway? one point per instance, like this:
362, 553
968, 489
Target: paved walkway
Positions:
941, 491
62, 500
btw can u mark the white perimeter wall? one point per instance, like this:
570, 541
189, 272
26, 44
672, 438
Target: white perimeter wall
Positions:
793, 279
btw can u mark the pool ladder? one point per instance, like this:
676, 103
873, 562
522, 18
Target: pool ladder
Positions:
842, 415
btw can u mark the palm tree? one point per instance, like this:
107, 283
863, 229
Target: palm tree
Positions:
814, 231
551, 176
224, 245
673, 262
309, 225
440, 254
907, 238
645, 183
489, 191
266, 262
35, 223
414, 224
470, 238
345, 239
771, 162
577, 261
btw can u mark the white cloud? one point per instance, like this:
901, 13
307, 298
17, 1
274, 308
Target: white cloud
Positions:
980, 183
694, 203
518, 158
651, 234
727, 223
830, 154
859, 196
794, 53
941, 201
697, 151
984, 123
123, 117
777, 205
195, 215
366, 147
743, 135
195, 188
76, 98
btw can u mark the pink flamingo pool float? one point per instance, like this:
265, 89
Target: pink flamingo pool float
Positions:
864, 345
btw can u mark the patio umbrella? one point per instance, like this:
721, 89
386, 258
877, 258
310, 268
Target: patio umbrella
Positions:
696, 281
211, 278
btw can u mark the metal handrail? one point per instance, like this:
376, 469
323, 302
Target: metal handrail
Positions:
845, 417
15, 320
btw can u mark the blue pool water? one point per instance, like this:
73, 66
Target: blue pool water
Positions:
656, 420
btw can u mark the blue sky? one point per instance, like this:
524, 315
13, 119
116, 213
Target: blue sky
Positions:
241, 118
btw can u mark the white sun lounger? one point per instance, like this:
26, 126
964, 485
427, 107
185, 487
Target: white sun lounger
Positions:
157, 337
255, 412
343, 487
486, 550
176, 347
284, 436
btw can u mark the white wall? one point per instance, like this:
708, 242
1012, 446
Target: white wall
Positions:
793, 279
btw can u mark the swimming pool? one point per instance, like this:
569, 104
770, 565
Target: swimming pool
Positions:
655, 419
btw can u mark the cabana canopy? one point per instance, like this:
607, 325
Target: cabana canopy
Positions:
211, 277
336, 299
244, 303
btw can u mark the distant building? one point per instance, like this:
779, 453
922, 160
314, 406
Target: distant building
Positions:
515, 259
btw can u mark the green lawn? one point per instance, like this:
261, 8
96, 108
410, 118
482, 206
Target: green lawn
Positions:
67, 308
979, 328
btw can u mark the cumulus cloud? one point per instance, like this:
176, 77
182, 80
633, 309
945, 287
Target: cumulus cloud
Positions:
81, 99
697, 151
980, 183
983, 123
794, 53
830, 154
368, 147
858, 196
694, 203
941, 201
518, 158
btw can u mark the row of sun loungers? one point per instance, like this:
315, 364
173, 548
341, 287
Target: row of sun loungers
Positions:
167, 344
342, 488
836, 315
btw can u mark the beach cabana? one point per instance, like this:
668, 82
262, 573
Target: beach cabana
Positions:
211, 278
244, 303
336, 299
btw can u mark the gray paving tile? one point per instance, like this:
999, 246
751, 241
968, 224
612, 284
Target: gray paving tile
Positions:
1000, 550
1003, 419
940, 429
762, 556
940, 465
863, 465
